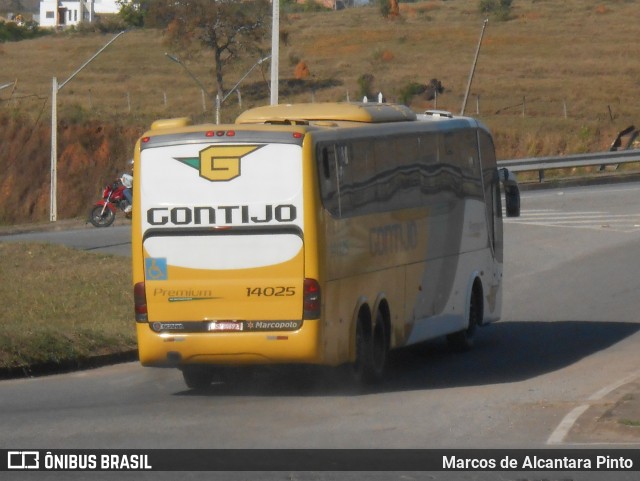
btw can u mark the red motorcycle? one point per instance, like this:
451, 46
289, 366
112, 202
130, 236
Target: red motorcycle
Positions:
104, 212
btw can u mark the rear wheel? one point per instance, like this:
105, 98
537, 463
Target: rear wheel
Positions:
371, 344
358, 367
380, 347
101, 219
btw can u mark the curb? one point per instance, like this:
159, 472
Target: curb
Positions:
65, 224
66, 366
609, 416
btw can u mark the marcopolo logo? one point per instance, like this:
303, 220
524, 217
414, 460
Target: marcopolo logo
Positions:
219, 163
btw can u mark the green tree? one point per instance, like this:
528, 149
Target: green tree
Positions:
501, 9
365, 86
12, 32
389, 8
133, 12
224, 27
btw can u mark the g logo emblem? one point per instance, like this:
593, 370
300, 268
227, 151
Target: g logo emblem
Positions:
220, 163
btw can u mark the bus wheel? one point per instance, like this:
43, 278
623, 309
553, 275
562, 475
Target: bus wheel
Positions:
463, 340
358, 366
197, 377
371, 351
380, 347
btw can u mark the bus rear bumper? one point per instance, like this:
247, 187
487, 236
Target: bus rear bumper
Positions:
231, 348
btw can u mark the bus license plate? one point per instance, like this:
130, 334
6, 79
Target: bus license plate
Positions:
225, 326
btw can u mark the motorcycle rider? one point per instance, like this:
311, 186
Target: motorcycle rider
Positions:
127, 181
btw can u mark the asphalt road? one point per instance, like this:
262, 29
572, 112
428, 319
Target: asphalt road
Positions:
568, 338
115, 240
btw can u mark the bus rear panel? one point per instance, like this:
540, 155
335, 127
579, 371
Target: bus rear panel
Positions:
222, 242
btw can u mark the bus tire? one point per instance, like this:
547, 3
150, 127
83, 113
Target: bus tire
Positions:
380, 347
463, 340
197, 377
371, 345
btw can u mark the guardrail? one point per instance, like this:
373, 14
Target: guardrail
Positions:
541, 164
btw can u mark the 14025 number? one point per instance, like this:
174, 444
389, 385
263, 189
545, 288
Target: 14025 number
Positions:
278, 291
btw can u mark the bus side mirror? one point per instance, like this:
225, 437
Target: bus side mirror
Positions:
511, 192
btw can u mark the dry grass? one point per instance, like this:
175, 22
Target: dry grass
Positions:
62, 305
552, 57
578, 53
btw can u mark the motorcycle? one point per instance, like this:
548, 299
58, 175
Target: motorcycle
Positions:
103, 213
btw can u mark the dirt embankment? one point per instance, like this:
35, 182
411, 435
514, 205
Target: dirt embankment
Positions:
89, 156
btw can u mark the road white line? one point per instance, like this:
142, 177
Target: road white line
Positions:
558, 435
624, 228
563, 215
612, 387
578, 221
561, 431
577, 216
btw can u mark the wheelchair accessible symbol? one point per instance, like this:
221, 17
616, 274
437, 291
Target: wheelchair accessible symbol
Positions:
155, 268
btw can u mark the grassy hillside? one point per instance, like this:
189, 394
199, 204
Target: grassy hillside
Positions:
558, 77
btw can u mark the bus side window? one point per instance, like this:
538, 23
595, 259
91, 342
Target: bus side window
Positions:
491, 182
429, 158
450, 173
342, 153
345, 179
326, 170
328, 177
363, 176
428, 148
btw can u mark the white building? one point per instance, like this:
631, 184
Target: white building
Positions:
61, 13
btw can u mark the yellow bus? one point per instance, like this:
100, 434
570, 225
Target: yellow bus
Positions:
325, 233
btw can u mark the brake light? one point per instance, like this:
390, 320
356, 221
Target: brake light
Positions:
220, 133
140, 302
311, 299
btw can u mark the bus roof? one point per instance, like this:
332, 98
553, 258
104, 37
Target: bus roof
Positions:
329, 111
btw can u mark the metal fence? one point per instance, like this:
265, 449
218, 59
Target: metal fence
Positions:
541, 164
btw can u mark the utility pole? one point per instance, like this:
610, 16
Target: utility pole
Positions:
55, 88
218, 100
473, 67
275, 51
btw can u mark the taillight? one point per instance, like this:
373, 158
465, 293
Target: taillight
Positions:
220, 133
140, 302
311, 300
